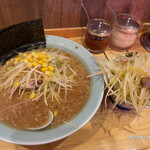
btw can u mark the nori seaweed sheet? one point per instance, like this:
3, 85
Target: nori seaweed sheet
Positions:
21, 37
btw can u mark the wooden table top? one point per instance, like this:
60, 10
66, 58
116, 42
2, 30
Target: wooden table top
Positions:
108, 129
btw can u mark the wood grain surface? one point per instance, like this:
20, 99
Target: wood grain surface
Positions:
109, 129
68, 13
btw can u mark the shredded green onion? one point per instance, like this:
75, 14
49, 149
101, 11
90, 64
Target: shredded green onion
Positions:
39, 74
123, 75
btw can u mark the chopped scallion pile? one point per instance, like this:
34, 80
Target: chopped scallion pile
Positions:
124, 77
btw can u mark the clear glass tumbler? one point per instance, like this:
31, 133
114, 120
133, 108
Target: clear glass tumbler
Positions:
124, 32
96, 35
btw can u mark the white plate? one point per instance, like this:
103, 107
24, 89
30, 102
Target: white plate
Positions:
21, 137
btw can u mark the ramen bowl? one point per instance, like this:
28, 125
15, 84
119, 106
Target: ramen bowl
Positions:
25, 137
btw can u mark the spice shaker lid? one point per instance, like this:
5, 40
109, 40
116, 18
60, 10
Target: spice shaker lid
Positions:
128, 22
99, 27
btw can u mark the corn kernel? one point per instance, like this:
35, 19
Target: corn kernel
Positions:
20, 54
29, 65
35, 64
24, 55
9, 68
32, 95
44, 59
44, 69
40, 61
18, 58
33, 53
7, 62
39, 56
25, 61
50, 68
21, 60
43, 53
16, 84
44, 65
35, 56
55, 113
30, 59
48, 73
48, 56
15, 62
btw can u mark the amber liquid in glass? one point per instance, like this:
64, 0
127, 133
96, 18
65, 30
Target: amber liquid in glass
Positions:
95, 43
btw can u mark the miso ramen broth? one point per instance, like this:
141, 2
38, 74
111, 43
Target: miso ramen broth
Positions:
27, 112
